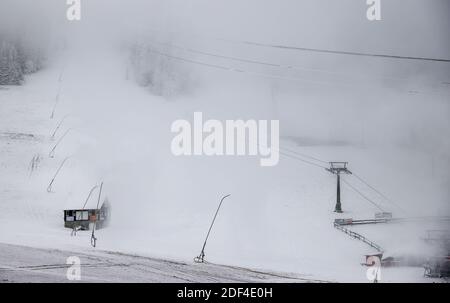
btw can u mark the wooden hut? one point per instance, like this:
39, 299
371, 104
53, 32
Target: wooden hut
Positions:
86, 219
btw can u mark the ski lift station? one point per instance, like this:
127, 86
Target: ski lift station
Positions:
86, 219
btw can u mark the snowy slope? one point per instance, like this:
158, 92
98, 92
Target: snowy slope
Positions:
44, 265
277, 218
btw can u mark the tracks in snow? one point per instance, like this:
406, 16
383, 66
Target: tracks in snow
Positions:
26, 264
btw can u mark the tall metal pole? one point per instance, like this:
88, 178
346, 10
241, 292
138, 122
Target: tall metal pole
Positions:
201, 258
93, 238
338, 207
337, 168
90, 193
49, 187
51, 154
58, 126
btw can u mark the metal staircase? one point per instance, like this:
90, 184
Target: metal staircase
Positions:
357, 236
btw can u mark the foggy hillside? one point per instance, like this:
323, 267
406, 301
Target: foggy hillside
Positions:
91, 101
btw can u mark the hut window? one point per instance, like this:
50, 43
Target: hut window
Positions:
81, 215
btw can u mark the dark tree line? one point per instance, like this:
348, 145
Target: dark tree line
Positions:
16, 60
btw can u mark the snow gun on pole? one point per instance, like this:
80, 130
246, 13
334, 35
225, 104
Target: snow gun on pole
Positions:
201, 258
49, 187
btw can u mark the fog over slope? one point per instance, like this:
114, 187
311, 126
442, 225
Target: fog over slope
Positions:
410, 93
388, 117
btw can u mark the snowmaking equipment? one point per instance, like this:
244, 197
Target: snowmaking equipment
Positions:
201, 257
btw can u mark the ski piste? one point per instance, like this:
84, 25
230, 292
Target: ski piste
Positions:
92, 123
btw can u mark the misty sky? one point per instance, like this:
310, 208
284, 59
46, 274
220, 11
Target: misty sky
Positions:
408, 28
413, 27
364, 102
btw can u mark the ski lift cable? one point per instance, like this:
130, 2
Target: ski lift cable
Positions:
300, 159
305, 155
265, 63
346, 182
348, 53
260, 74
290, 78
238, 70
326, 168
223, 56
362, 195
305, 49
378, 192
189, 60
317, 165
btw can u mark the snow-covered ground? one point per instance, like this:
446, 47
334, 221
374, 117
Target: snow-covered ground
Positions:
277, 219
27, 264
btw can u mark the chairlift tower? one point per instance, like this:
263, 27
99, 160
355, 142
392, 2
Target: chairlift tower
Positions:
337, 168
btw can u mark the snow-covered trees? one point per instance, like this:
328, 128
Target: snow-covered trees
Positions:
158, 70
10, 69
16, 60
